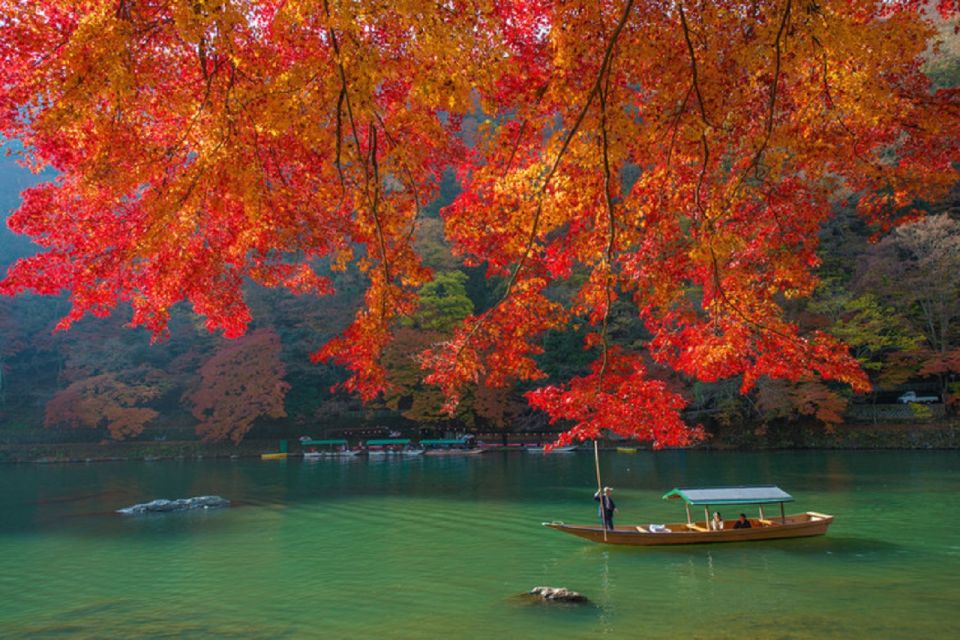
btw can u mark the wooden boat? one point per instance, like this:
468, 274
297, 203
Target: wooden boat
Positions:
626, 449
317, 455
450, 447
569, 449
392, 447
335, 448
799, 525
273, 456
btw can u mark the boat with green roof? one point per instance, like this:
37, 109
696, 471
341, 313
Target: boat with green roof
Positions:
330, 448
762, 527
393, 447
450, 446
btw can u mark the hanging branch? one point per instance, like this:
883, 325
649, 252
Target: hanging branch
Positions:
754, 165
372, 201
531, 238
611, 231
703, 113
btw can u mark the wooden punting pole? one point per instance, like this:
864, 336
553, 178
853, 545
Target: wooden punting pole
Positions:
596, 462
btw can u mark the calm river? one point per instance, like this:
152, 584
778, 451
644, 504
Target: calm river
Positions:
439, 548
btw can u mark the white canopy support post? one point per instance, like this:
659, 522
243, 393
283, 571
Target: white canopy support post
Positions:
706, 516
686, 505
761, 515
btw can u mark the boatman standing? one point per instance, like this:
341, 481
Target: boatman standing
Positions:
607, 507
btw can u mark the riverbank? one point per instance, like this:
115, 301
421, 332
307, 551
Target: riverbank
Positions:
943, 434
940, 435
73, 452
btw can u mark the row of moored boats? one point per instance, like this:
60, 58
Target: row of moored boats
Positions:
400, 447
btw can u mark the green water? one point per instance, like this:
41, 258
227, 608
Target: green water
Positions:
438, 548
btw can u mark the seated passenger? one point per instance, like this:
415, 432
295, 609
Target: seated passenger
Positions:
742, 523
716, 524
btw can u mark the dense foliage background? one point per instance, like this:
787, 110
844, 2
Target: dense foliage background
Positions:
895, 302
892, 297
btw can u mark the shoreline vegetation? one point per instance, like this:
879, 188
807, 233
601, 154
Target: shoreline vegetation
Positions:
939, 435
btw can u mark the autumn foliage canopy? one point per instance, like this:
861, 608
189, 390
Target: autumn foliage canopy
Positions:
679, 156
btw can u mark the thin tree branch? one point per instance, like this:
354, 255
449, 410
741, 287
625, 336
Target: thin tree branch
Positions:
373, 201
578, 121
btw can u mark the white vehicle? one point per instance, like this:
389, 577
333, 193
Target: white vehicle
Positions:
911, 397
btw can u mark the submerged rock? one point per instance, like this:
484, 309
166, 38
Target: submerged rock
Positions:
558, 594
183, 504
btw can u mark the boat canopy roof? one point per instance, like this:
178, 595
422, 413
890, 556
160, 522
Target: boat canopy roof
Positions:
387, 441
443, 441
321, 443
730, 495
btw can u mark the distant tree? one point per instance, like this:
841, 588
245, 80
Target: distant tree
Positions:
443, 302
103, 401
241, 382
874, 329
783, 399
443, 305
916, 269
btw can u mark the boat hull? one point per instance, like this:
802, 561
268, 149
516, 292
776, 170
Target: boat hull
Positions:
408, 453
317, 455
273, 456
453, 452
795, 526
569, 449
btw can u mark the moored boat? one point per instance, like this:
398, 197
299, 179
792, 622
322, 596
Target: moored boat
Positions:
273, 456
539, 449
626, 449
798, 525
450, 447
392, 447
334, 448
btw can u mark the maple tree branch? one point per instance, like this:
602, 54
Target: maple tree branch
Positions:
566, 143
703, 174
693, 65
608, 53
516, 146
771, 108
753, 166
838, 118
374, 200
676, 123
703, 114
409, 174
523, 127
756, 324
611, 232
337, 160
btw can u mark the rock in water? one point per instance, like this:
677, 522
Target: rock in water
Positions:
558, 594
183, 504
